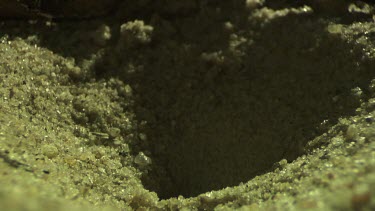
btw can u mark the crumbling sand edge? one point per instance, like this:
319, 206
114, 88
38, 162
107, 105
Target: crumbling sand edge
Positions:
36, 135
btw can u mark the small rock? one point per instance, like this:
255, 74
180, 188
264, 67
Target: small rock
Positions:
142, 160
50, 151
352, 132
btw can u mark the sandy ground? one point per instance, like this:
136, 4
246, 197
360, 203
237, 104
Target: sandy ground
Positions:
187, 105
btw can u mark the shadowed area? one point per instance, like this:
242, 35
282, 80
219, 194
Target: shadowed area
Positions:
215, 125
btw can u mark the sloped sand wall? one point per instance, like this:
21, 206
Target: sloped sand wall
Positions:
194, 105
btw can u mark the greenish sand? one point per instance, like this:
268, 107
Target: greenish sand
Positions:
191, 105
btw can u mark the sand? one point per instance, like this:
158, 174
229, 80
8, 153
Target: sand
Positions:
188, 105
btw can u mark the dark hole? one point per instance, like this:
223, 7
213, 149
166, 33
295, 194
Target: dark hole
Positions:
214, 125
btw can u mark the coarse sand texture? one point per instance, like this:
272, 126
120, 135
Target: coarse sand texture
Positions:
188, 105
